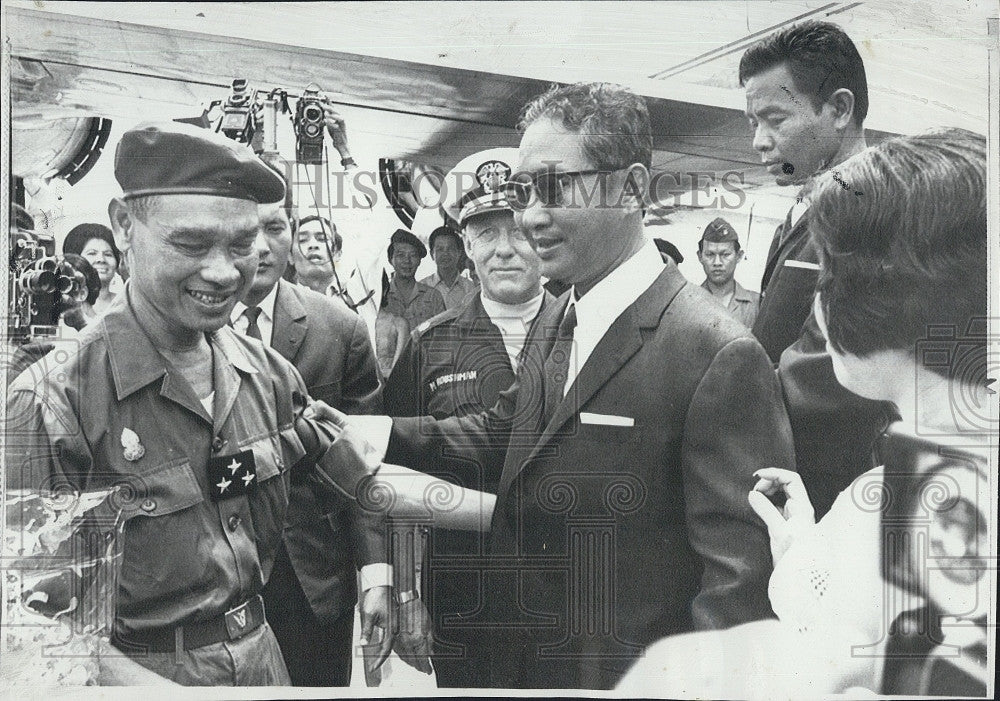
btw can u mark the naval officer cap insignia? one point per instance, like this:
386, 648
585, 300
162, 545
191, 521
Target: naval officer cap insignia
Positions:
475, 185
232, 475
169, 158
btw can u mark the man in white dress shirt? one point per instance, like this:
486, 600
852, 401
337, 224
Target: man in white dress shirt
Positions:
629, 439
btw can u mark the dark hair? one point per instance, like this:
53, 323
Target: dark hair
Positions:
338, 240
903, 245
78, 237
821, 58
443, 231
613, 121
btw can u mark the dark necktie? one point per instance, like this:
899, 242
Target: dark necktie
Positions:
253, 331
557, 364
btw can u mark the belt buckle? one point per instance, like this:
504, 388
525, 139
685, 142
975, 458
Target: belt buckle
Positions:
239, 620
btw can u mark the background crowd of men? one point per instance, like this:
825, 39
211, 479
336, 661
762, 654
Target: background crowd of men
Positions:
619, 424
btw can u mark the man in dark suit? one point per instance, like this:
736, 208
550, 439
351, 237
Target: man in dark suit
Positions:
309, 599
807, 98
456, 364
630, 437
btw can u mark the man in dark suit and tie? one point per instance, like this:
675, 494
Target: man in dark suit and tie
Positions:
807, 98
629, 439
309, 599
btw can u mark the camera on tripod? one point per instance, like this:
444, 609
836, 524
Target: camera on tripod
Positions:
242, 120
309, 123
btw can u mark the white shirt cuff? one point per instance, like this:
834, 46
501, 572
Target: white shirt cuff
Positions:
377, 574
375, 430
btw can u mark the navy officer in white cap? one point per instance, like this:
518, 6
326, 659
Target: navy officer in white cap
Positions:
195, 424
456, 364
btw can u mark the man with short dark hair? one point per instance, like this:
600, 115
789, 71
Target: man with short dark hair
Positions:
628, 441
719, 252
446, 250
807, 98
310, 595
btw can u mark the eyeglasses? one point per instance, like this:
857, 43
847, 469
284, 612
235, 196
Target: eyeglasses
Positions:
488, 237
551, 187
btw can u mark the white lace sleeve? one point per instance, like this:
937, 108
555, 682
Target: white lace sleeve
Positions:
830, 576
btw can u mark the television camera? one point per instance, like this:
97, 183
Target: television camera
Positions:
41, 284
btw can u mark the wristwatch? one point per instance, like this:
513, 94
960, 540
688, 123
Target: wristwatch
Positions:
348, 162
407, 596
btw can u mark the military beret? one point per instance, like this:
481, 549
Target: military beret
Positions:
475, 185
720, 231
169, 158
404, 236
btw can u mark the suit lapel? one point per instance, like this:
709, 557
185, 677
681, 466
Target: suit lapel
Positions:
290, 324
622, 340
784, 236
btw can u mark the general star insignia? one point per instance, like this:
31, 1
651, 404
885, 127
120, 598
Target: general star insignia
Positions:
233, 475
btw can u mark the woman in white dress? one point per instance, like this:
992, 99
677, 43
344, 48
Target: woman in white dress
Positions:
902, 301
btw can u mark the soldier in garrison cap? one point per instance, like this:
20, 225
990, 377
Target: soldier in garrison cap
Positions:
719, 252
196, 421
413, 301
457, 364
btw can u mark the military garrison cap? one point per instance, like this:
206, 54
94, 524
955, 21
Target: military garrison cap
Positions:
720, 231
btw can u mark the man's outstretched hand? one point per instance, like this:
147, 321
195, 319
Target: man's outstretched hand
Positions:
414, 639
377, 610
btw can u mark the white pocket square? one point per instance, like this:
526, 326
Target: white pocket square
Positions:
606, 419
801, 264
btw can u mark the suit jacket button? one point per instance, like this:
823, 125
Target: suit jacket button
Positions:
217, 443
148, 505
234, 522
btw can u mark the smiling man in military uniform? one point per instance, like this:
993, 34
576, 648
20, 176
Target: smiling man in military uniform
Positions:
195, 422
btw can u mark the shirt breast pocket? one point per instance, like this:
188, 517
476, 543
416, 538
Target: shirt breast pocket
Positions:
163, 490
162, 518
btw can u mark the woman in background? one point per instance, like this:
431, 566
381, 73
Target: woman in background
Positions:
902, 301
95, 244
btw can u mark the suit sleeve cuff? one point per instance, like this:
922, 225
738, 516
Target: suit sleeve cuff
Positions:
376, 430
377, 574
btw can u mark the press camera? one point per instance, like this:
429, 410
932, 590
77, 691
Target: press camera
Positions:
309, 124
